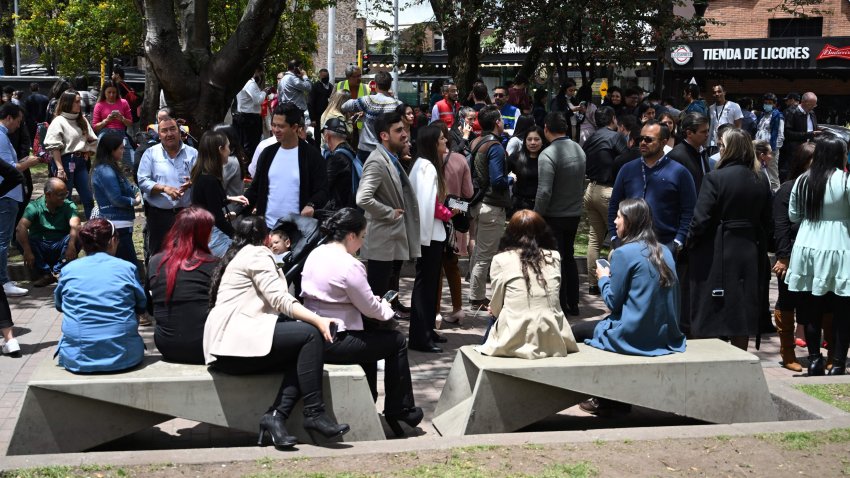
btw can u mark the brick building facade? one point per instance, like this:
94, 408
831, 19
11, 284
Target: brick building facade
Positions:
752, 19
350, 36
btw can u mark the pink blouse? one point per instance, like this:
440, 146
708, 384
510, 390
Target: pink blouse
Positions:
334, 285
102, 110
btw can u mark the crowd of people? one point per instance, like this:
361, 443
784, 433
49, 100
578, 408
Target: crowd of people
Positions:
690, 202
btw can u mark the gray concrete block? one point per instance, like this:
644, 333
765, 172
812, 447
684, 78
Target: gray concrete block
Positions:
60, 407
711, 381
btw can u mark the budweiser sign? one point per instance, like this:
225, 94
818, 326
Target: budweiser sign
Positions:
830, 51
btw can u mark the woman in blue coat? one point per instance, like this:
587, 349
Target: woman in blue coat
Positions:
99, 295
641, 290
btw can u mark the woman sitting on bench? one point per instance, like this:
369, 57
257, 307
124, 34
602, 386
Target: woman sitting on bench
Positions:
100, 296
526, 277
250, 329
641, 290
334, 284
179, 280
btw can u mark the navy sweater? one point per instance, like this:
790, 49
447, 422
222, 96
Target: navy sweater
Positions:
669, 190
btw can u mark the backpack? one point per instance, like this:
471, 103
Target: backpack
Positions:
356, 170
479, 186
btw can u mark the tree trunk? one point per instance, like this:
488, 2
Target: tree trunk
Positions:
7, 31
200, 86
532, 58
150, 104
463, 48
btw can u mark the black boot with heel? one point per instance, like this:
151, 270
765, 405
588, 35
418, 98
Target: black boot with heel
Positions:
411, 416
273, 424
325, 426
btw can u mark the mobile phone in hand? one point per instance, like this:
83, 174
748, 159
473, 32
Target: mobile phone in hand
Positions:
602, 263
391, 295
333, 329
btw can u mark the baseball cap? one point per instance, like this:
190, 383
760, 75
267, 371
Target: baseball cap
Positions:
336, 125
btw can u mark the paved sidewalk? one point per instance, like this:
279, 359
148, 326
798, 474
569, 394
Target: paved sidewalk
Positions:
38, 326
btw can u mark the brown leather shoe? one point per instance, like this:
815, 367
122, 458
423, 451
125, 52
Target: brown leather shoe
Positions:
44, 280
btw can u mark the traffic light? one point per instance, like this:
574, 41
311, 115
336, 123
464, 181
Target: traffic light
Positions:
365, 68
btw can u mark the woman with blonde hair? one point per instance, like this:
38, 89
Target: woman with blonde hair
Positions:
728, 242
334, 110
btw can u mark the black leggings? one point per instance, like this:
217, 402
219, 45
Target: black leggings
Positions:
5, 312
811, 309
365, 348
297, 349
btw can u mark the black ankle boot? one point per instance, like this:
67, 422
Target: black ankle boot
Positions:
411, 416
837, 370
324, 425
273, 423
816, 365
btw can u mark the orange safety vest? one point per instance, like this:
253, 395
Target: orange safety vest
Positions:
447, 113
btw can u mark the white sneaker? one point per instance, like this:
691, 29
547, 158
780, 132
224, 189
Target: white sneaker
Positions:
11, 348
381, 365
439, 322
454, 317
12, 290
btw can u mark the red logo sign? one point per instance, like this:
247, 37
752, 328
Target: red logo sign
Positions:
830, 51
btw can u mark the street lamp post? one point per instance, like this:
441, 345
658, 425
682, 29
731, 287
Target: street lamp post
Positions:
395, 47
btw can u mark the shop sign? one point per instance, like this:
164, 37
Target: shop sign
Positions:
681, 54
830, 51
764, 53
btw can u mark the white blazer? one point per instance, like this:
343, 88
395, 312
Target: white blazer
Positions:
423, 178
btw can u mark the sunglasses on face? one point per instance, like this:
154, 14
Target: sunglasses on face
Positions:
647, 139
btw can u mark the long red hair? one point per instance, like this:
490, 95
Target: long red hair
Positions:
186, 246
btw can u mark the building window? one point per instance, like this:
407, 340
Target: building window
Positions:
438, 42
795, 27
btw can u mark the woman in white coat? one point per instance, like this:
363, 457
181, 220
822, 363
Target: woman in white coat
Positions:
426, 177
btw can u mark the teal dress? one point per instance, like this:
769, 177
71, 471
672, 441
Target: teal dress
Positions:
99, 296
644, 316
820, 259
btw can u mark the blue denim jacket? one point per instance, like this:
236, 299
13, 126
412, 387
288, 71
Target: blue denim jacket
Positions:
114, 194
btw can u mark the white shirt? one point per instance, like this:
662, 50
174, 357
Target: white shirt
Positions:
250, 98
252, 168
728, 112
809, 126
284, 185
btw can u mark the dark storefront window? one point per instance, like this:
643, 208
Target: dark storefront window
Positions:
795, 27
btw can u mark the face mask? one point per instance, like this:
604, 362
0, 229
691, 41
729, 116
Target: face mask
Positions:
70, 116
768, 108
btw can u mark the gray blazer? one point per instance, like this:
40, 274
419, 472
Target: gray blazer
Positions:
381, 191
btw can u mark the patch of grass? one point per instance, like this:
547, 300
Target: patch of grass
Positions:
627, 442
807, 440
104, 471
598, 442
835, 394
722, 438
581, 469
478, 448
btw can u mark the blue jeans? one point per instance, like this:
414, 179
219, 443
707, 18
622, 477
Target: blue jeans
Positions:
219, 242
128, 148
49, 255
127, 250
77, 177
8, 214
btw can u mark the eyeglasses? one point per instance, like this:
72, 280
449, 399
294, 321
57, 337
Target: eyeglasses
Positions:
647, 139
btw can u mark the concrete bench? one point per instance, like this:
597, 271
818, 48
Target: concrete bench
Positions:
711, 381
63, 412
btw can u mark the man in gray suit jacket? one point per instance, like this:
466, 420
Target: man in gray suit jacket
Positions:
392, 212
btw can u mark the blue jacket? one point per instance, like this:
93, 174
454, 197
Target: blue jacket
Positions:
669, 190
99, 296
776, 118
114, 194
644, 316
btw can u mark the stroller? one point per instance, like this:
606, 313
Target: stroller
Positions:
304, 236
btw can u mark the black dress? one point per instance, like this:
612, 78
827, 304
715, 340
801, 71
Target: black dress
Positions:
179, 329
208, 193
525, 189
